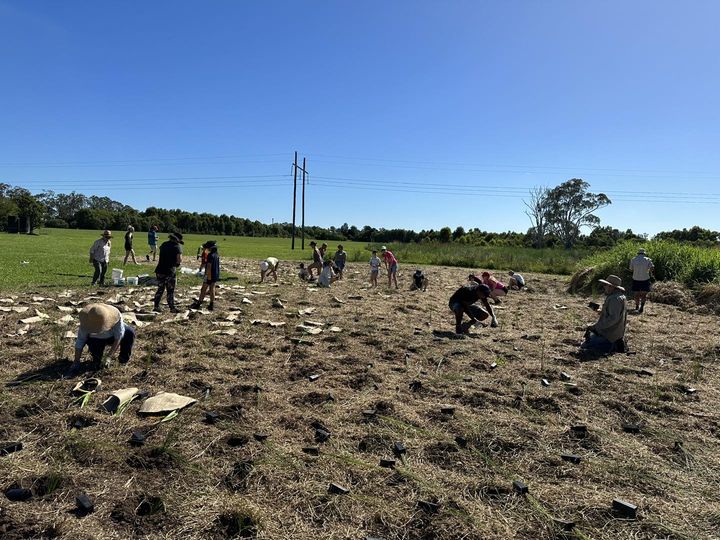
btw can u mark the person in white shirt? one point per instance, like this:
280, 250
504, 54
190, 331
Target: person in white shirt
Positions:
102, 325
269, 268
642, 269
374, 268
100, 256
327, 276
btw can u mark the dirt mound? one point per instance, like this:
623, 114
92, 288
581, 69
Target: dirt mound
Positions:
580, 280
671, 293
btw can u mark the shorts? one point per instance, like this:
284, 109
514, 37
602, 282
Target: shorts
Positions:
153, 247
641, 286
393, 269
340, 265
209, 281
374, 271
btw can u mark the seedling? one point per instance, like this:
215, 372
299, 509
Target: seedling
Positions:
84, 504
572, 458
624, 509
429, 506
387, 463
9, 448
520, 487
337, 489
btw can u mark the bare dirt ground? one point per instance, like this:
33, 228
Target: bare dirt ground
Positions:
473, 415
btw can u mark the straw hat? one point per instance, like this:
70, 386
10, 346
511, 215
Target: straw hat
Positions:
96, 318
106, 234
613, 281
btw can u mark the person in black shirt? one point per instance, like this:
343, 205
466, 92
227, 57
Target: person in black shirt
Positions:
419, 282
129, 251
170, 259
462, 302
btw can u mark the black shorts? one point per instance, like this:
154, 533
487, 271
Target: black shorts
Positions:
641, 286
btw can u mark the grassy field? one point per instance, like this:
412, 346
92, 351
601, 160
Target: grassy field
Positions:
59, 257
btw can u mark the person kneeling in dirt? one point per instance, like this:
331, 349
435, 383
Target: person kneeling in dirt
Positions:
516, 281
304, 274
462, 302
608, 334
269, 268
327, 276
419, 281
102, 325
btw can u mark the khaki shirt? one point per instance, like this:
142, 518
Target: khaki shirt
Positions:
613, 317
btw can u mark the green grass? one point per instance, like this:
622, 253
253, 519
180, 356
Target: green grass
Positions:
59, 257
690, 265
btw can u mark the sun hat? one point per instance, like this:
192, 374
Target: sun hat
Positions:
264, 266
96, 318
209, 244
384, 248
641, 251
176, 237
313, 243
131, 228
486, 273
106, 234
613, 281
165, 402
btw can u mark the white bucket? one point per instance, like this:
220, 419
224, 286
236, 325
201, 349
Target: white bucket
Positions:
116, 274
119, 282
132, 281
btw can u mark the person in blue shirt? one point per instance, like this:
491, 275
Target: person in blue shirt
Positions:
212, 276
102, 325
152, 242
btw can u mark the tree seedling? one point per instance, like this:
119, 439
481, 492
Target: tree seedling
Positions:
337, 489
9, 448
84, 504
520, 487
624, 509
572, 458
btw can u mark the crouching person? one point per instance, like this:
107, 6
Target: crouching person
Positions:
462, 303
101, 326
608, 334
419, 282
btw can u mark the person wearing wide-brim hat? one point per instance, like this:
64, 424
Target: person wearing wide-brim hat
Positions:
100, 256
608, 334
317, 263
642, 268
101, 325
169, 261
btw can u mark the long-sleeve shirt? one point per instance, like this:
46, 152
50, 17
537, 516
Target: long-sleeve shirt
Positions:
613, 317
100, 250
116, 332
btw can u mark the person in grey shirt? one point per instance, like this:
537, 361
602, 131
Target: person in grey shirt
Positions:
608, 333
642, 268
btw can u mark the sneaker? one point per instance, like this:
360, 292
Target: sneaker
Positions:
157, 309
211, 306
642, 307
147, 257
196, 304
173, 309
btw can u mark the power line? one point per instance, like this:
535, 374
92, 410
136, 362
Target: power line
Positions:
134, 161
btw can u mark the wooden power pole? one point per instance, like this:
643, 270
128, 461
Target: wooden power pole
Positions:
294, 199
303, 205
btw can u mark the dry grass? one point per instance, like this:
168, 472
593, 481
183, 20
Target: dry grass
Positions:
194, 480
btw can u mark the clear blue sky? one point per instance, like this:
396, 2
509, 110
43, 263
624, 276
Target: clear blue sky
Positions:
412, 114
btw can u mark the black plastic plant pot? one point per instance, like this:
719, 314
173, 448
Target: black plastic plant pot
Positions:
399, 449
337, 489
9, 448
429, 506
520, 487
624, 509
137, 439
211, 417
631, 428
321, 435
84, 504
387, 463
311, 450
261, 437
18, 494
572, 458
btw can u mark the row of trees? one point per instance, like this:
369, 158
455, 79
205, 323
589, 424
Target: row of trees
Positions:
557, 215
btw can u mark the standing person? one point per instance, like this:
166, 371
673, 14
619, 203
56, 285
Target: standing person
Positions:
323, 251
516, 281
317, 260
203, 256
607, 335
268, 268
374, 268
497, 288
340, 260
129, 251
152, 242
391, 265
212, 276
642, 268
102, 325
100, 257
169, 260
463, 302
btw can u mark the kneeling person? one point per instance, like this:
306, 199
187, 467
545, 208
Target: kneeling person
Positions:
462, 302
419, 282
102, 325
607, 335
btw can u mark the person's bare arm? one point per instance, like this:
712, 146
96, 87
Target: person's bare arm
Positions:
491, 311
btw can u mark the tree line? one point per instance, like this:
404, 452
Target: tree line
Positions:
557, 217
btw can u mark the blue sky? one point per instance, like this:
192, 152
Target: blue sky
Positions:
411, 114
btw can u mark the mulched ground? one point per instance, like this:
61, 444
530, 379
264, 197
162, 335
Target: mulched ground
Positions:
385, 369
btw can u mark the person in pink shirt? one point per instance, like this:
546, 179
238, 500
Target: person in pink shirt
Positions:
391, 265
497, 288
